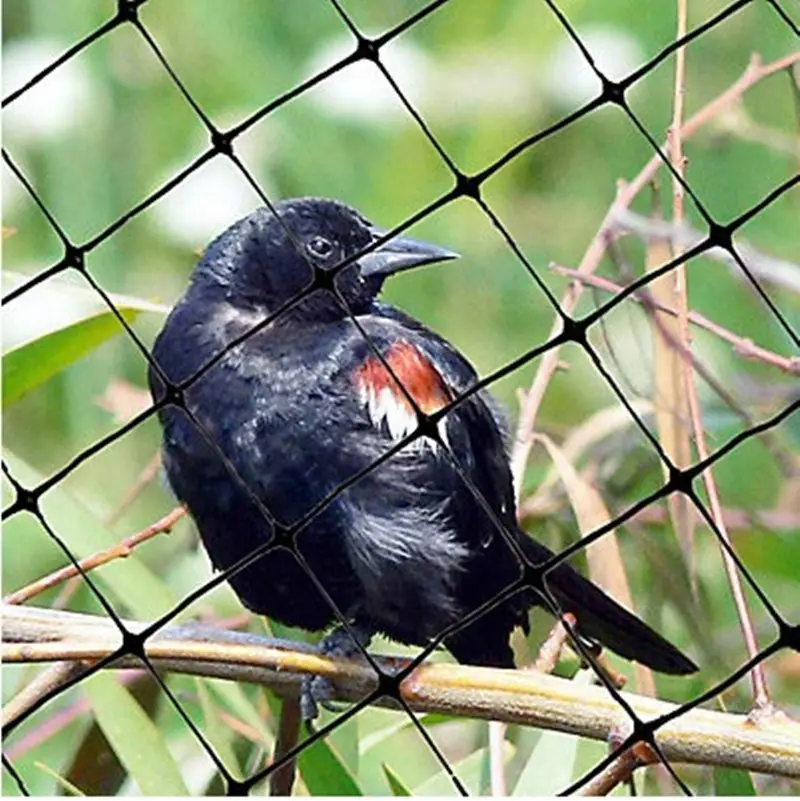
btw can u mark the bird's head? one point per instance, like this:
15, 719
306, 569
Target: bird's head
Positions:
267, 259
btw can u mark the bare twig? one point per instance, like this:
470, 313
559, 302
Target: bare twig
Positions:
143, 479
282, 780
119, 551
619, 771
761, 698
670, 402
497, 767
741, 345
515, 696
670, 391
739, 123
782, 273
755, 72
58, 720
57, 675
552, 647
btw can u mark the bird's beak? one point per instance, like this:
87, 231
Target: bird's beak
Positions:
401, 253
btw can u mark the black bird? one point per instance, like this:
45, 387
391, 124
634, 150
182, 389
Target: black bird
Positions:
287, 414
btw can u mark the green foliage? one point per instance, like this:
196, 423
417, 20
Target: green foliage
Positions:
484, 82
140, 746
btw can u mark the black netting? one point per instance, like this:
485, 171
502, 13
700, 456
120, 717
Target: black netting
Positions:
134, 135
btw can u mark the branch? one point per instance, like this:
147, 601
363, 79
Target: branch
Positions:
514, 696
744, 520
782, 273
741, 345
755, 72
119, 551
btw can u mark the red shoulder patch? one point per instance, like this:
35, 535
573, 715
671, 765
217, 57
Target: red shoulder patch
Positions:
421, 380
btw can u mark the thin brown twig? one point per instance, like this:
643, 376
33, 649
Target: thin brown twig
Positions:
670, 398
59, 720
498, 785
143, 479
742, 346
784, 459
781, 273
671, 371
53, 677
119, 551
761, 698
553, 646
618, 772
282, 780
626, 192
735, 519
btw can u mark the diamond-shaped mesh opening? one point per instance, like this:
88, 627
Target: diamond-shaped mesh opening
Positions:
644, 345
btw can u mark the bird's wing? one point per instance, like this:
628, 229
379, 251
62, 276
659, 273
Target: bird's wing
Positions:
436, 376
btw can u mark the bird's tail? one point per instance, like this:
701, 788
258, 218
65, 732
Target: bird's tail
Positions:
601, 618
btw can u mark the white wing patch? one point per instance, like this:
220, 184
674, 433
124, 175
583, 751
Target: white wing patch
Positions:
388, 407
395, 416
384, 408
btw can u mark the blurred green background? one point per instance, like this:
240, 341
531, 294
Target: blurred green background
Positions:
108, 128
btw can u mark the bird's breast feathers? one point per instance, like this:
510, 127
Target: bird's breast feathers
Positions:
387, 394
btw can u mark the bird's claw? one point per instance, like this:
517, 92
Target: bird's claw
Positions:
316, 692
319, 691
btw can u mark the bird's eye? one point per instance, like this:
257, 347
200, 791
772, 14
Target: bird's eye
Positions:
319, 247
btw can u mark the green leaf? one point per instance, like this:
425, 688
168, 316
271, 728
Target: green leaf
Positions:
65, 784
41, 345
473, 771
398, 723
136, 741
393, 740
219, 736
732, 782
235, 699
345, 741
28, 366
129, 582
324, 772
394, 782
551, 766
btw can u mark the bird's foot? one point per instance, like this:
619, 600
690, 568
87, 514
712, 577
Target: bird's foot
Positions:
316, 691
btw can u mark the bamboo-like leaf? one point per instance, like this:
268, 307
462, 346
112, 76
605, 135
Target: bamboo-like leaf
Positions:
395, 783
65, 784
133, 736
41, 345
30, 365
604, 556
219, 736
669, 392
324, 772
473, 771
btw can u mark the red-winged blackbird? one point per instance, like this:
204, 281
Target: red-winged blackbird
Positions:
304, 404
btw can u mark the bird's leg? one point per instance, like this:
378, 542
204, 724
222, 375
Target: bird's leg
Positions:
347, 643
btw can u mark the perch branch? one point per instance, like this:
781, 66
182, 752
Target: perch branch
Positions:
515, 696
